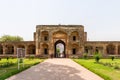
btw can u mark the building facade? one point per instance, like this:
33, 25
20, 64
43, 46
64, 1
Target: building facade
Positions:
60, 41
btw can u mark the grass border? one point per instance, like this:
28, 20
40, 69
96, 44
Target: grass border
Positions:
98, 73
11, 73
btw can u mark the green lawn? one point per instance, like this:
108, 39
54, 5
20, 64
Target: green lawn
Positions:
105, 69
10, 67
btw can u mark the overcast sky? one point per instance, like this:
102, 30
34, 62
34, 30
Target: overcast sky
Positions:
101, 18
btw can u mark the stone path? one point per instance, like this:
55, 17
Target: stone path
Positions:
56, 69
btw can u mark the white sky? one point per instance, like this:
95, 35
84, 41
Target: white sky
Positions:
101, 18
61, 47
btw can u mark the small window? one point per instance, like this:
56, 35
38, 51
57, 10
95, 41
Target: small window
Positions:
74, 38
74, 51
45, 38
45, 51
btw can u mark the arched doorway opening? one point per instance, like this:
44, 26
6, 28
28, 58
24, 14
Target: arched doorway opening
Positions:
1, 49
31, 49
59, 49
9, 49
110, 49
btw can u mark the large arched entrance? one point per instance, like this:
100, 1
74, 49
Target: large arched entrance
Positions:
59, 49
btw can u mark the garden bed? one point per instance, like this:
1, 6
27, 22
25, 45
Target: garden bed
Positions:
105, 71
7, 69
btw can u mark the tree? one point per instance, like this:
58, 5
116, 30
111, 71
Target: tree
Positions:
6, 38
58, 50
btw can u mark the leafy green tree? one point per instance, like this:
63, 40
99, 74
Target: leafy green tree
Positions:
58, 50
6, 38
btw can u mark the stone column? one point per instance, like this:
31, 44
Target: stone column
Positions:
40, 49
37, 48
51, 54
68, 45
37, 42
37, 51
50, 43
26, 50
15, 50
104, 50
4, 49
81, 50
94, 50
116, 49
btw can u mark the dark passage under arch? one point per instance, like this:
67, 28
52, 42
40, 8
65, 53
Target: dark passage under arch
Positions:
59, 48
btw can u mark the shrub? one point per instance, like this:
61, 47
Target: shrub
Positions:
112, 57
7, 58
20, 60
97, 56
6, 64
31, 57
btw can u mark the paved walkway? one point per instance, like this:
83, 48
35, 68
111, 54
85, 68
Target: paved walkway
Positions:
56, 69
